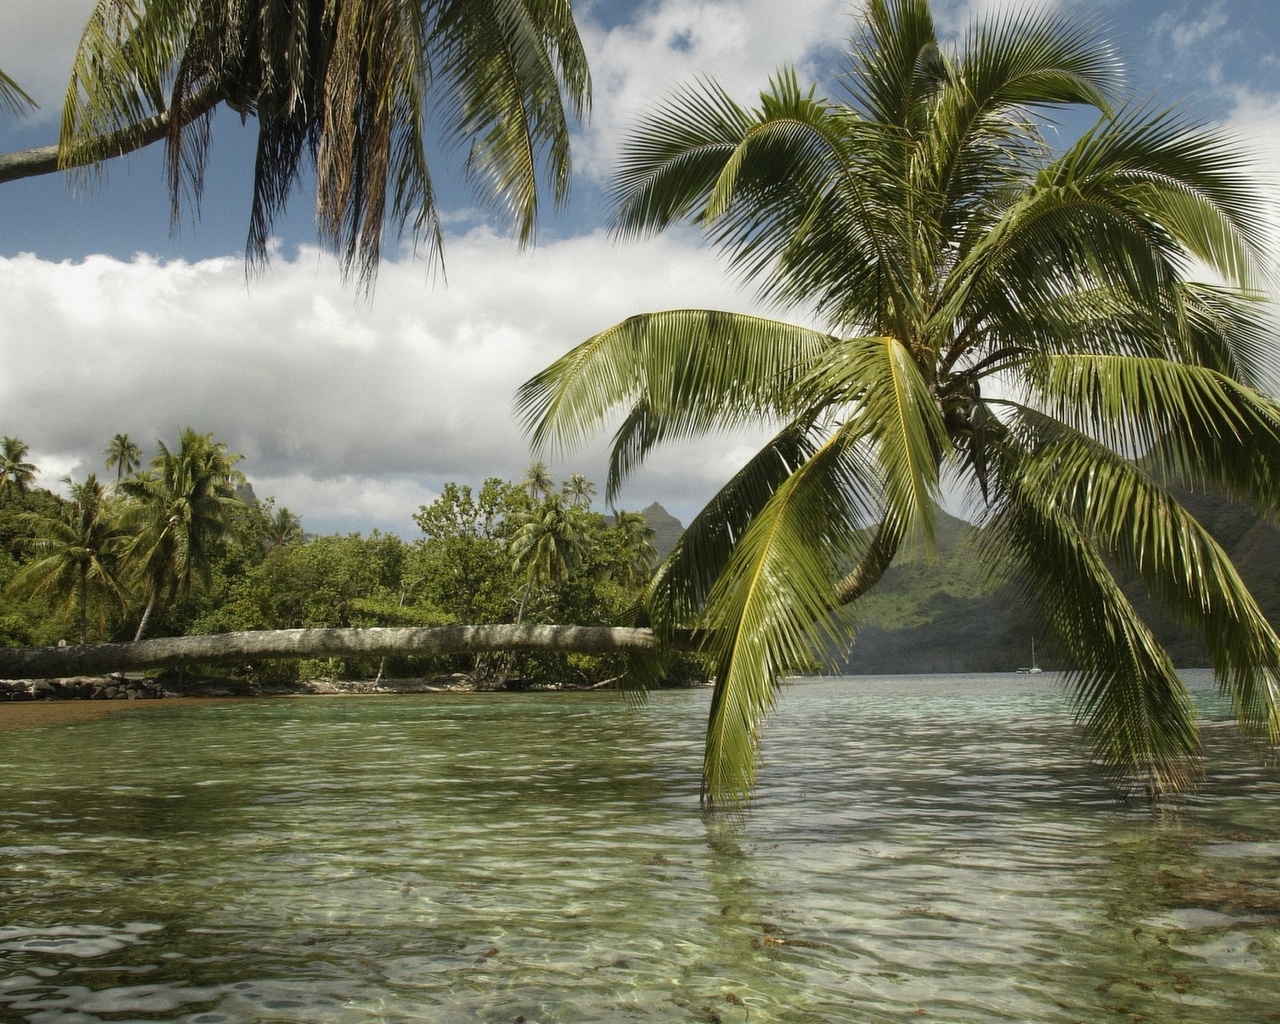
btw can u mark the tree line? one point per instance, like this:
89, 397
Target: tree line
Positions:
181, 546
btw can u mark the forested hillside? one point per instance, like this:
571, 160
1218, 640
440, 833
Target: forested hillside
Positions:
949, 616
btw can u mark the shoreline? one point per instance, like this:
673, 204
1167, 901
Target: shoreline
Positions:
117, 687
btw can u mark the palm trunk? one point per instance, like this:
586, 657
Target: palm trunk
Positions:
146, 616
90, 659
84, 606
866, 574
29, 163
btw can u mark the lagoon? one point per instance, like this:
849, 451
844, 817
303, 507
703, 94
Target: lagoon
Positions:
932, 848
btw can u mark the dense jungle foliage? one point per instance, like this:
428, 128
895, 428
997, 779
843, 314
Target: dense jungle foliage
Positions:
502, 552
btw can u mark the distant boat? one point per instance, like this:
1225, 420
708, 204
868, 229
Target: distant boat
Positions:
1035, 669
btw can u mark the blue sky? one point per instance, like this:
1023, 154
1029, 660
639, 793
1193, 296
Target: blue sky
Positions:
354, 412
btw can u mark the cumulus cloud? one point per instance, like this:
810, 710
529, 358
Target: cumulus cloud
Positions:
349, 413
668, 43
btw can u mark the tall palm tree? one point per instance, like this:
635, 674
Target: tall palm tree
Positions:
347, 86
178, 513
123, 455
1017, 320
548, 543
16, 474
537, 480
75, 554
579, 490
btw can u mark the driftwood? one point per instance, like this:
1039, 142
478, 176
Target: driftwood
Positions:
222, 648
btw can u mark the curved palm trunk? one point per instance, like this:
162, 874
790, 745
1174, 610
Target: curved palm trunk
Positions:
90, 659
30, 163
867, 573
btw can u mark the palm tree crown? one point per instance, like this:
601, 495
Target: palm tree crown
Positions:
349, 85
16, 473
123, 455
75, 554
1021, 321
179, 512
578, 489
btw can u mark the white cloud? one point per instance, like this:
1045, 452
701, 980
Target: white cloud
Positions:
668, 43
351, 414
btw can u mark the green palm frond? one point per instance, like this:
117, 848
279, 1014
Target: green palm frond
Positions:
510, 66
1195, 424
671, 162
880, 384
14, 98
680, 587
683, 373
1135, 709
770, 611
349, 85
1148, 534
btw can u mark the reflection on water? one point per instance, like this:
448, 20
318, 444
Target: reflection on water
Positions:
931, 848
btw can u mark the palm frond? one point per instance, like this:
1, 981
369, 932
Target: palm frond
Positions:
1195, 424
680, 587
682, 372
1133, 706
770, 611
13, 98
890, 402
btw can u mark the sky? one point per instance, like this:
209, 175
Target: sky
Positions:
353, 411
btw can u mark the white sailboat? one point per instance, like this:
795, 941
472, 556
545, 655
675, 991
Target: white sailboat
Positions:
1035, 669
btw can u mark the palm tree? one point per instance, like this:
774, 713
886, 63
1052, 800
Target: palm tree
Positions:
178, 513
16, 474
637, 544
122, 455
537, 480
1019, 320
548, 543
76, 554
283, 527
348, 86
579, 490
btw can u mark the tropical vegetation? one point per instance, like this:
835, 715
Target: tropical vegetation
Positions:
183, 547
1057, 333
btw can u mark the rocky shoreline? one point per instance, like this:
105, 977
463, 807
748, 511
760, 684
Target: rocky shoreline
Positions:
136, 687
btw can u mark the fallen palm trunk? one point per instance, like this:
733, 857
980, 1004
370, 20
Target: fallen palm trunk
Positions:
221, 648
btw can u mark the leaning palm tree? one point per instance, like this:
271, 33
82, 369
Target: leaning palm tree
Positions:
1020, 321
17, 475
123, 455
75, 553
346, 86
178, 513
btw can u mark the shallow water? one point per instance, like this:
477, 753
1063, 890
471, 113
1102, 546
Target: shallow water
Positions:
921, 848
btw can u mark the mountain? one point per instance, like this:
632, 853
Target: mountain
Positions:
665, 526
950, 616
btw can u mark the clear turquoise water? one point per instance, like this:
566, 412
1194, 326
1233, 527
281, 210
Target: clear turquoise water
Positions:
922, 848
